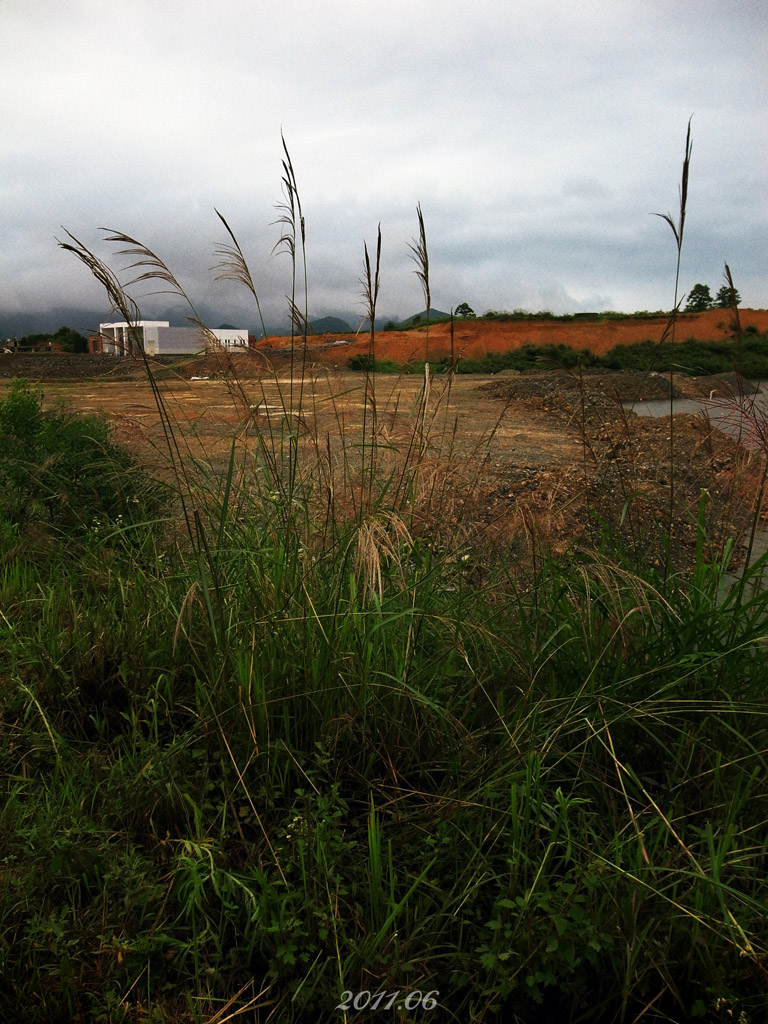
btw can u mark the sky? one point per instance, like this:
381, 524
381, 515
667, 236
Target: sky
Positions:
539, 138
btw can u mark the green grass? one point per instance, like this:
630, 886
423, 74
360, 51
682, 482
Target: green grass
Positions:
544, 792
296, 729
695, 358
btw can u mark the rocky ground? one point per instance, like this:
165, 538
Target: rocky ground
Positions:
633, 471
59, 366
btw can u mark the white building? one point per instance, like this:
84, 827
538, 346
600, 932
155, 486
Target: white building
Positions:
157, 337
231, 337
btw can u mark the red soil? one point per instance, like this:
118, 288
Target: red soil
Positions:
475, 338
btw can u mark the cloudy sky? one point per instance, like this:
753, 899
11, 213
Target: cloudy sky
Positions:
538, 136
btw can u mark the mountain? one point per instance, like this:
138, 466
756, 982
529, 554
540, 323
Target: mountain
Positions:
330, 325
434, 314
19, 325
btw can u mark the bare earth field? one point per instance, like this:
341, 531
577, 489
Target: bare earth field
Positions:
208, 411
546, 452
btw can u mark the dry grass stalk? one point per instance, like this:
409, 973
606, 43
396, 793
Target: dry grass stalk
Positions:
381, 536
420, 256
370, 283
669, 331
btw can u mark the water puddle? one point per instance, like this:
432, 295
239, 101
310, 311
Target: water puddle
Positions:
732, 415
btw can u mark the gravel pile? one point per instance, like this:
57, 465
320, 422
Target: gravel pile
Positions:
83, 366
628, 386
591, 399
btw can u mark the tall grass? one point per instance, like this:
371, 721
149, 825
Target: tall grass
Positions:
329, 739
669, 332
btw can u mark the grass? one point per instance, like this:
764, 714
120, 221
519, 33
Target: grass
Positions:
299, 729
692, 357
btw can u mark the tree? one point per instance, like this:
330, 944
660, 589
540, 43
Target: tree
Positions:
699, 299
727, 298
70, 340
464, 310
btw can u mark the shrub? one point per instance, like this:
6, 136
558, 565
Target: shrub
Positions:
62, 469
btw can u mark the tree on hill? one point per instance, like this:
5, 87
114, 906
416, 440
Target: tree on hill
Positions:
464, 310
727, 298
699, 299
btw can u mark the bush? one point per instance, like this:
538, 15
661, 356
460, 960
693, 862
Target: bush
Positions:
21, 415
63, 470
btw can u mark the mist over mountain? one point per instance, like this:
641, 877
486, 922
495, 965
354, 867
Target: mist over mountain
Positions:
86, 321
19, 325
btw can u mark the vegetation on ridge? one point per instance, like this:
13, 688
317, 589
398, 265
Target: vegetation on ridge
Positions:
749, 356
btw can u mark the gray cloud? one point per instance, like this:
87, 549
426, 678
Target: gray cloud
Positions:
538, 138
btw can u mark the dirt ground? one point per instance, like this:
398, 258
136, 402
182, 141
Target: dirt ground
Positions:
548, 453
630, 469
552, 454
208, 410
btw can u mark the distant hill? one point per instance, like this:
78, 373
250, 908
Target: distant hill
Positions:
434, 314
331, 325
337, 325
